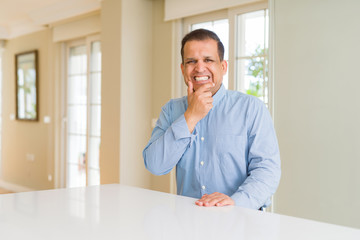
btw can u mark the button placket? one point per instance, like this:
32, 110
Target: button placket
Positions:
202, 169
202, 162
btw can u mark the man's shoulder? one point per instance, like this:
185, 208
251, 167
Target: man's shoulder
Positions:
244, 98
176, 104
177, 101
181, 100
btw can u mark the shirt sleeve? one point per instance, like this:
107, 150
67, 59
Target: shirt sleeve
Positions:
168, 142
264, 168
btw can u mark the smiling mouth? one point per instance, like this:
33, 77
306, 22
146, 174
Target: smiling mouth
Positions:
203, 78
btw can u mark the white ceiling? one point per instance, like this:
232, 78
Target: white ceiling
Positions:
20, 17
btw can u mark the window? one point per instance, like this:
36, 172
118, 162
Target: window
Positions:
251, 48
83, 108
244, 32
252, 54
221, 28
218, 24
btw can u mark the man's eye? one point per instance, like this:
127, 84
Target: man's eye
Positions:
190, 61
208, 60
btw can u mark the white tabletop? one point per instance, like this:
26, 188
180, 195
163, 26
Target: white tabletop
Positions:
122, 212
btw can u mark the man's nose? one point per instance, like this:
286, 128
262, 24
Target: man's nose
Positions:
200, 66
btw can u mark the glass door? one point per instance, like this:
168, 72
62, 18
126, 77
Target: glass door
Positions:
83, 107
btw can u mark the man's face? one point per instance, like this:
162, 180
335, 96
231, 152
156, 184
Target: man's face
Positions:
202, 64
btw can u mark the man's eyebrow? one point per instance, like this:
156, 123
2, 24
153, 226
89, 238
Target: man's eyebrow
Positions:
187, 59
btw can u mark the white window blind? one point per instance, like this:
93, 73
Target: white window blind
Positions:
175, 9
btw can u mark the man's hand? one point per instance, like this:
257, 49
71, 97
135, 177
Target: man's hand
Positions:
199, 104
215, 199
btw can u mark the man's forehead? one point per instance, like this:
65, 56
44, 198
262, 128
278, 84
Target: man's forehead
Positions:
203, 47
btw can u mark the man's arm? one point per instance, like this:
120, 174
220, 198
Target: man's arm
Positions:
263, 168
263, 162
169, 140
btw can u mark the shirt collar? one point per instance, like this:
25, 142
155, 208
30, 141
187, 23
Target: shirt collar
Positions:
219, 95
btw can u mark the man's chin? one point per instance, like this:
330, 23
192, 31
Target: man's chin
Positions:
198, 84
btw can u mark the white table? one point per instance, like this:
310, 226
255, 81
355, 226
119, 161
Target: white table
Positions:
122, 212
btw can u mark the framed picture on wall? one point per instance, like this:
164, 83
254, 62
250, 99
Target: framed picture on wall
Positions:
27, 78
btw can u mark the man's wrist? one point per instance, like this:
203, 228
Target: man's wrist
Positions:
191, 123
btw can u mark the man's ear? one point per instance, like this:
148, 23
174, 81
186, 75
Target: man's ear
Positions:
224, 66
183, 70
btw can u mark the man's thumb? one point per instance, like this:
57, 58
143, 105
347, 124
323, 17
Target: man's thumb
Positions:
190, 89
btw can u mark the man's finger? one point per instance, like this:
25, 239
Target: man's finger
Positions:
190, 89
225, 202
199, 203
203, 196
207, 200
215, 199
206, 87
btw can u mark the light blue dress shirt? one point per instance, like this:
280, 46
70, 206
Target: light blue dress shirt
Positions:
232, 150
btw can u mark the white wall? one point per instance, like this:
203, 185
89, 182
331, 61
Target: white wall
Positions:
317, 109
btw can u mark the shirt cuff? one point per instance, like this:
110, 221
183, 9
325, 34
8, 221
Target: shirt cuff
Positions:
181, 130
243, 199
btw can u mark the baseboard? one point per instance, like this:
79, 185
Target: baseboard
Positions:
14, 187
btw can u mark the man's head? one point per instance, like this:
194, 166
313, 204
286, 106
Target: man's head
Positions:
202, 59
201, 35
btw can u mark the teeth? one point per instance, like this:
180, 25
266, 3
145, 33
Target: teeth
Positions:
201, 78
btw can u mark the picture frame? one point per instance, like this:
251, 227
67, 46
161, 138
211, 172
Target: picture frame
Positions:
26, 82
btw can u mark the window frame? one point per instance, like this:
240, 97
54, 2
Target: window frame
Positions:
206, 17
231, 14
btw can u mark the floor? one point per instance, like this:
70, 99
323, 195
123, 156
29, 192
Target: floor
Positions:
4, 191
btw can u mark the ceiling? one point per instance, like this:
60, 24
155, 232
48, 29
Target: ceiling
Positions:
20, 17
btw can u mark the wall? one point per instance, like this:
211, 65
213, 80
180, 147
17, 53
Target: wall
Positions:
317, 111
162, 69
137, 61
126, 90
110, 92
22, 137
135, 90
127, 43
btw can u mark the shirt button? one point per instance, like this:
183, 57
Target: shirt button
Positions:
202, 138
202, 163
203, 187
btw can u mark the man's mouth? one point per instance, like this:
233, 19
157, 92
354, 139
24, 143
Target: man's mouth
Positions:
201, 78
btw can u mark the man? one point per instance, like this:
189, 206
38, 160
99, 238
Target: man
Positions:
222, 142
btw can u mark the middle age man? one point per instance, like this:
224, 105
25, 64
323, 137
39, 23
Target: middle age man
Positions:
222, 142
